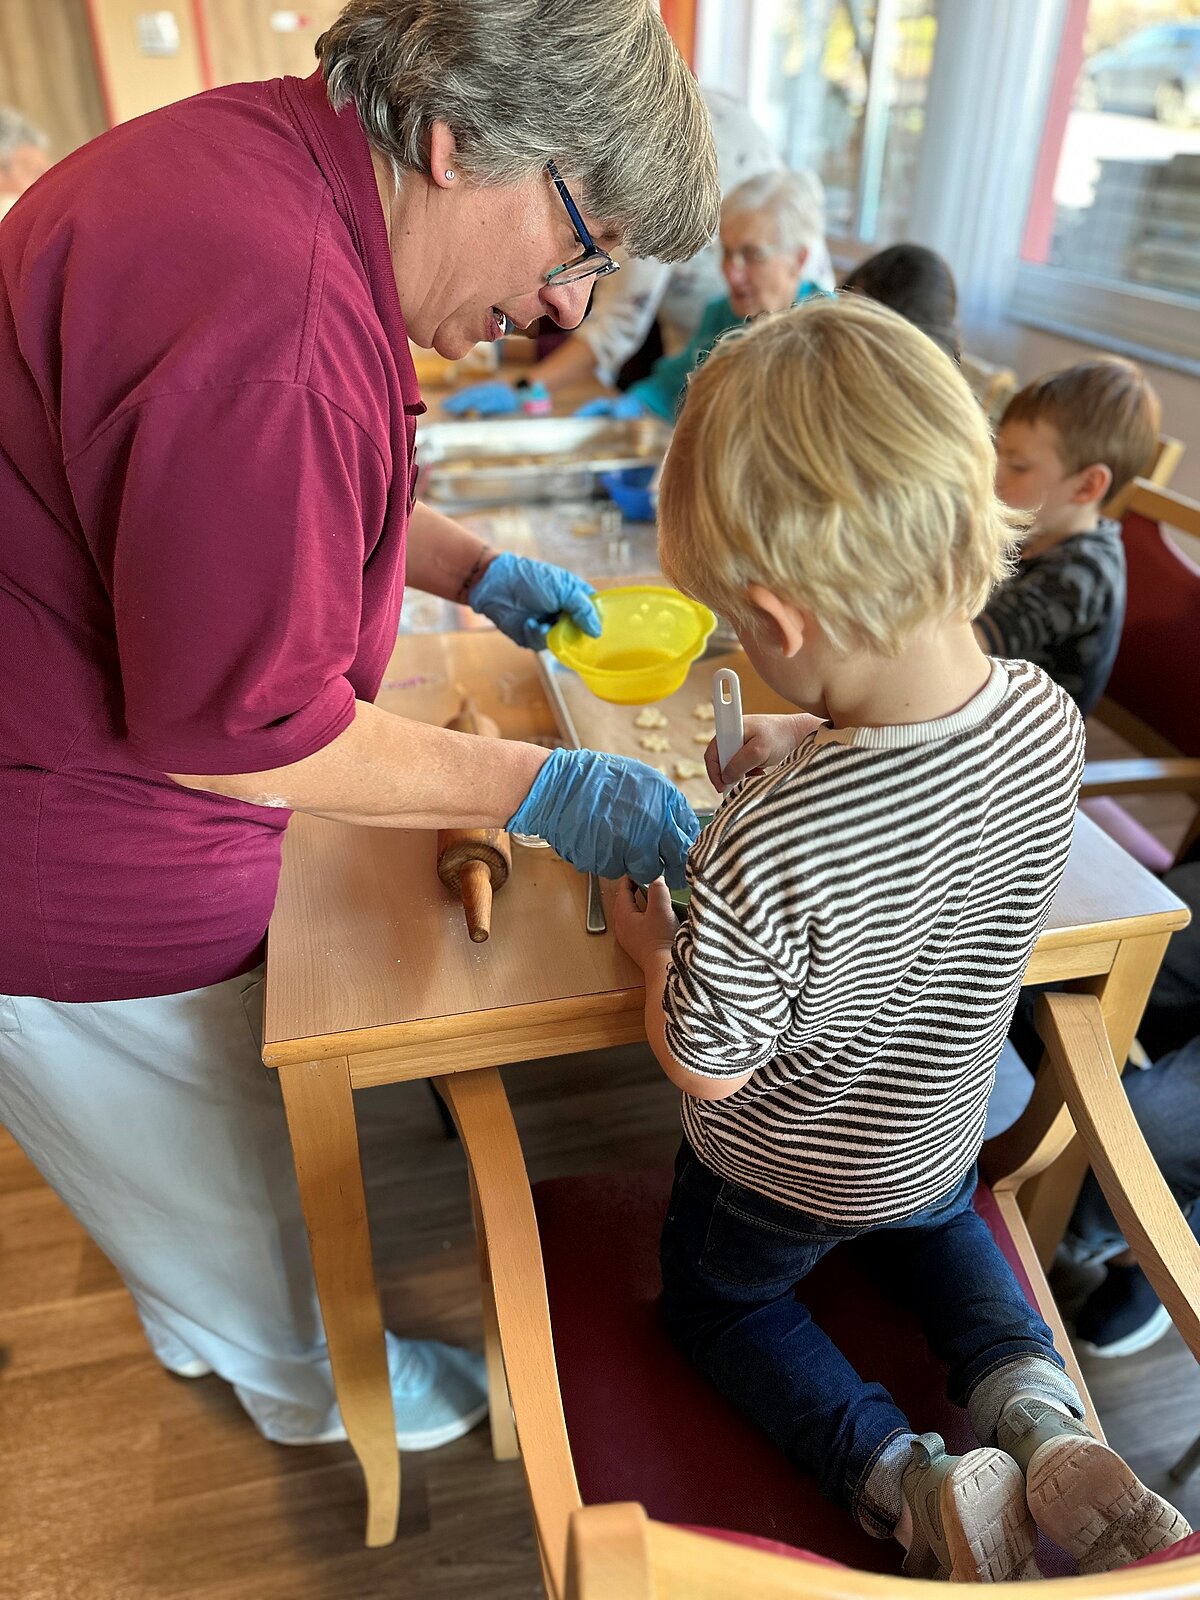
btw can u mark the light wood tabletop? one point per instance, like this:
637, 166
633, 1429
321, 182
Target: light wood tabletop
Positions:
371, 978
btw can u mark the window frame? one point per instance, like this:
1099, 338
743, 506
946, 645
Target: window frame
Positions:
1157, 325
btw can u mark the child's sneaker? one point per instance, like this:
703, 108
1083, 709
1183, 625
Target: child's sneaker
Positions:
1121, 1315
971, 1523
1081, 1494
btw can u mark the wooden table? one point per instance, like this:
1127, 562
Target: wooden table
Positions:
371, 979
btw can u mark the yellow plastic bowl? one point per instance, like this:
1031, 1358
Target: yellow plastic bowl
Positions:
651, 637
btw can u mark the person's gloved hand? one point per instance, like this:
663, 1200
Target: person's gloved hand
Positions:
492, 399
611, 815
620, 405
525, 599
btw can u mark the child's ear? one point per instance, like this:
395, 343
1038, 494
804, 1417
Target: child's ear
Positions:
784, 622
1093, 485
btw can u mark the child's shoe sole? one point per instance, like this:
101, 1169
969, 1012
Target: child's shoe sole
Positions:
990, 1535
1084, 1498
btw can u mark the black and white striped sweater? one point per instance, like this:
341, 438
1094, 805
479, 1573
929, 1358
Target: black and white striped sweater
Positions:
860, 921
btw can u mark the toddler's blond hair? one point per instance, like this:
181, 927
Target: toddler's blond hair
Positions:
835, 455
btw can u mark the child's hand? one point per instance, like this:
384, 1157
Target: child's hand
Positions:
768, 741
643, 930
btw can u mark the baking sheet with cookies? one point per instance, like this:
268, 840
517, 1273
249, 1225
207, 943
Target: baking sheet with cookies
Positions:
670, 734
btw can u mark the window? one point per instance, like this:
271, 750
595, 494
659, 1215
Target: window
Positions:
1112, 237
841, 85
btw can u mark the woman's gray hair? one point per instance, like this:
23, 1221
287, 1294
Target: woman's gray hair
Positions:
795, 202
597, 88
16, 132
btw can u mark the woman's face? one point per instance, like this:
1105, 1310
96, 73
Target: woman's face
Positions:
471, 261
761, 275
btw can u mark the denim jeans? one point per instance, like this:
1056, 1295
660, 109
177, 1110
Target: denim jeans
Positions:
731, 1260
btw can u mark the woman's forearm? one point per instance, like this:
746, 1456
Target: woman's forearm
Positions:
442, 557
385, 771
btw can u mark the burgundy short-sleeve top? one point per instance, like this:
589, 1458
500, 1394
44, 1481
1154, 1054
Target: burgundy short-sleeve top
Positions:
206, 440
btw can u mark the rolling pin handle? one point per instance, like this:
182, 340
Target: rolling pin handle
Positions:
475, 890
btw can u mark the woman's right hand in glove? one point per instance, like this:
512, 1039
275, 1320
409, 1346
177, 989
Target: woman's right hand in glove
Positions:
610, 815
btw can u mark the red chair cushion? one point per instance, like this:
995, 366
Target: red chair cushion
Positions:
771, 1547
1152, 677
1176, 1552
646, 1426
1139, 842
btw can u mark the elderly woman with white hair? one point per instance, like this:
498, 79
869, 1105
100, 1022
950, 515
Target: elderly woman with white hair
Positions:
206, 471
772, 232
24, 156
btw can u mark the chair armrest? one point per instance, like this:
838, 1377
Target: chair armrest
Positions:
513, 1253
1141, 775
1072, 1029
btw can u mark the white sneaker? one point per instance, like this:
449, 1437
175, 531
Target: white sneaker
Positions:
195, 1368
439, 1393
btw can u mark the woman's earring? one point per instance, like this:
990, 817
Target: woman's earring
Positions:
450, 174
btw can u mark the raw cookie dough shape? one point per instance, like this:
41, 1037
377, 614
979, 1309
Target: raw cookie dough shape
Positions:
654, 741
689, 769
704, 712
649, 718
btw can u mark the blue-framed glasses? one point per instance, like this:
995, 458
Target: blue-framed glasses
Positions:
593, 262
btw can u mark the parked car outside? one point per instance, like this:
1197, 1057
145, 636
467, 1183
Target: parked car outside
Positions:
1155, 72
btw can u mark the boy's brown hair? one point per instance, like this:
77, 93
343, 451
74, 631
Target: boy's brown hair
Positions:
1103, 411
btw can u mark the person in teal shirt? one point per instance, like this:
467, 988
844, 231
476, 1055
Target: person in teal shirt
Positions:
772, 226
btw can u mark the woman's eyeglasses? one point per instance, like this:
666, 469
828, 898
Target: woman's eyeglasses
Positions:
593, 262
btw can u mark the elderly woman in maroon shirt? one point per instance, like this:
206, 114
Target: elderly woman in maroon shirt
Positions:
205, 489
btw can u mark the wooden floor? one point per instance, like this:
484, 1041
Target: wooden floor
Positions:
118, 1482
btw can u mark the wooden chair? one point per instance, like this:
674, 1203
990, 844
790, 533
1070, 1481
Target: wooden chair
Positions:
616, 1552
1167, 456
607, 1412
1153, 696
992, 386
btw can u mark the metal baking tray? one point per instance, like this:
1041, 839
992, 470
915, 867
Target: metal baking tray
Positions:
463, 464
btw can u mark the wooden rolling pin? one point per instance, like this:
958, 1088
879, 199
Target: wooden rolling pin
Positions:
474, 862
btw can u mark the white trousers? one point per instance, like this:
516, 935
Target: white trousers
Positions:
157, 1124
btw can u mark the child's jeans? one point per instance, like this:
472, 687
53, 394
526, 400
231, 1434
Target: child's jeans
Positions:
730, 1261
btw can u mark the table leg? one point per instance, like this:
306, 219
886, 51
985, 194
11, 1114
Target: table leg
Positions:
320, 1113
504, 1431
1048, 1200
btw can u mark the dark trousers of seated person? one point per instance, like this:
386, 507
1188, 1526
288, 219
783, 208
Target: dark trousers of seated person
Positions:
731, 1260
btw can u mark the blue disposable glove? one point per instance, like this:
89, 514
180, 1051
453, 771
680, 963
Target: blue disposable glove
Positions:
493, 399
621, 405
525, 599
611, 815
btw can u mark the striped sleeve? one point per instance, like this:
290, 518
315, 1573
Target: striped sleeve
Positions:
727, 1002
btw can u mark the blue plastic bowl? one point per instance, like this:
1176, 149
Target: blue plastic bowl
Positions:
630, 492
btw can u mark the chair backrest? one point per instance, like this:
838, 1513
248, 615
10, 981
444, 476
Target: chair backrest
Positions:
1167, 455
992, 386
1153, 695
616, 1552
